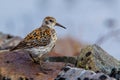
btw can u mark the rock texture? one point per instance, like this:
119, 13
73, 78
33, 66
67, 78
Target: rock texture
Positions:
95, 58
71, 73
18, 66
65, 59
115, 73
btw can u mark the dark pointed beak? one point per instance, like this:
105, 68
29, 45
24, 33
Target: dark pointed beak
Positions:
57, 24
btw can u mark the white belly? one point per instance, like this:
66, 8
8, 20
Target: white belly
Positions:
39, 51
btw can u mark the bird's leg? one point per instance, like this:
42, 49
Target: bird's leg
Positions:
35, 60
42, 67
39, 60
41, 63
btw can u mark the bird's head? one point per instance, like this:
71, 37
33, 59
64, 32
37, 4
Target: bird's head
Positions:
51, 22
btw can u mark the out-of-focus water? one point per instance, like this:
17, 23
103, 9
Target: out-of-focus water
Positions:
85, 19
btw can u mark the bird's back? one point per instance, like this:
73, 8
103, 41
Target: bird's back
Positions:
39, 37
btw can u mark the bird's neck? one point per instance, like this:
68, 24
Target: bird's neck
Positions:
48, 26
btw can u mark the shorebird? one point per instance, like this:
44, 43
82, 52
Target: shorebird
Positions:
41, 40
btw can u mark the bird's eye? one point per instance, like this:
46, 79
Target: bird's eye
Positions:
51, 20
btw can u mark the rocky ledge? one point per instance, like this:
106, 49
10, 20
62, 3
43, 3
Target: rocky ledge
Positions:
92, 63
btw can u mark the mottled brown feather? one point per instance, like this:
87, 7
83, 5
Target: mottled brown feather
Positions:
38, 37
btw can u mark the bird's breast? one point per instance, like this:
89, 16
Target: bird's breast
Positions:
40, 50
43, 49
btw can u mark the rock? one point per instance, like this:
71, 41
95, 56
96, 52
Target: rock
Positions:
115, 73
17, 65
8, 41
95, 58
65, 59
72, 73
117, 76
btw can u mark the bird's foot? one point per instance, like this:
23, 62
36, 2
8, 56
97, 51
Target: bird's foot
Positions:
44, 70
36, 61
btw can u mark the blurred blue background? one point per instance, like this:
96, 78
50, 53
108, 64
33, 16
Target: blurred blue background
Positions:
89, 21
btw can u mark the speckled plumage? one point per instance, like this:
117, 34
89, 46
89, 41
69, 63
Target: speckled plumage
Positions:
38, 37
41, 40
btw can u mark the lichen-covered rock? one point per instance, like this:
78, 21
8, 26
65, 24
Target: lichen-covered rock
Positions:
71, 73
95, 58
117, 76
115, 73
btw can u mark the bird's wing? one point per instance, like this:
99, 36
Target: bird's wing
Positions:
38, 37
